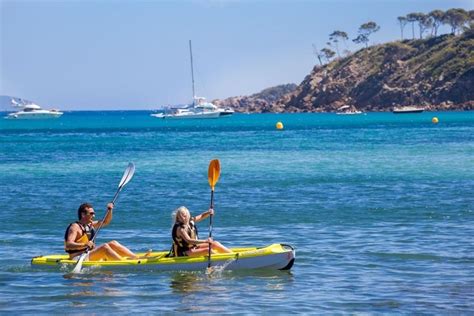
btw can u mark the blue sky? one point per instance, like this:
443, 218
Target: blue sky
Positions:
104, 54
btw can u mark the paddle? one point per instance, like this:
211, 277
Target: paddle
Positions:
213, 176
127, 176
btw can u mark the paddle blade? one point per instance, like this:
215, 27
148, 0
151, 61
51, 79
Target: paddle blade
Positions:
127, 175
78, 267
214, 172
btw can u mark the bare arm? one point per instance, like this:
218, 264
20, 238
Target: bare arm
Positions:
204, 215
183, 234
108, 217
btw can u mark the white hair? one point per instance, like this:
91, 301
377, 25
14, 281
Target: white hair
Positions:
178, 213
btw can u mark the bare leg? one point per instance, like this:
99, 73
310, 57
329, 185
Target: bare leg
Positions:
199, 251
147, 254
103, 252
203, 249
220, 248
121, 250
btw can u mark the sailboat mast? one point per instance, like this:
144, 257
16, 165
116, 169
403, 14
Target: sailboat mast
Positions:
192, 69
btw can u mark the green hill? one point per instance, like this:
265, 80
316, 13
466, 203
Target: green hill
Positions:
437, 73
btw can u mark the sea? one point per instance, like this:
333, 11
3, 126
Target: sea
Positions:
379, 208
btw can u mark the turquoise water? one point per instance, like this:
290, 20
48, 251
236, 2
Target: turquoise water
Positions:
379, 207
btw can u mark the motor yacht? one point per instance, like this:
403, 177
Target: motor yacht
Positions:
187, 113
348, 110
34, 111
407, 109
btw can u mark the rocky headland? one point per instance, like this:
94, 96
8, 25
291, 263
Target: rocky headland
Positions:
436, 73
264, 101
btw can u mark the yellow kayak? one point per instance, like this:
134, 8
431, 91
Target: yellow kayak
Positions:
275, 257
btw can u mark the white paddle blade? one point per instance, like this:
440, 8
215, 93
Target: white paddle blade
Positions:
127, 175
78, 267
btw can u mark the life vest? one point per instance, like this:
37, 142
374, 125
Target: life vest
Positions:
88, 232
180, 246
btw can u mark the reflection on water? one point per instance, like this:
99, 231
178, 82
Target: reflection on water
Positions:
198, 281
92, 283
88, 274
83, 293
212, 293
186, 282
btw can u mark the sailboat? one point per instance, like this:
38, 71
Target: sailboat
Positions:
200, 109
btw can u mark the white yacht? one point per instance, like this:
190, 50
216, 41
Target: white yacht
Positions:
34, 111
187, 113
407, 109
226, 111
348, 110
202, 105
200, 108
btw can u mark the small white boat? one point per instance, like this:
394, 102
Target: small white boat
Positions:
272, 257
407, 109
226, 111
348, 110
34, 112
349, 113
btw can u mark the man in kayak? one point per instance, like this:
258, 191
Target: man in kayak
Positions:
79, 235
185, 235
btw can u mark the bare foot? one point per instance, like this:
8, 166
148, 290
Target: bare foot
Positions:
146, 255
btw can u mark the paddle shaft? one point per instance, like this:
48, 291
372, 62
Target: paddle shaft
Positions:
210, 217
210, 229
107, 213
127, 176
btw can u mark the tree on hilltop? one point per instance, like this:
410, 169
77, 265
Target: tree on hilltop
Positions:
456, 18
403, 21
318, 54
425, 22
328, 53
470, 23
335, 37
365, 30
412, 18
437, 17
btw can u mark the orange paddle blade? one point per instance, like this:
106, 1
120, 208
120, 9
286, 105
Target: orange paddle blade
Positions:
214, 172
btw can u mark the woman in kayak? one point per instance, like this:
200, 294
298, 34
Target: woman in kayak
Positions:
185, 235
78, 237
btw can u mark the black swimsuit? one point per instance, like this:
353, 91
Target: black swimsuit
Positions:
180, 246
